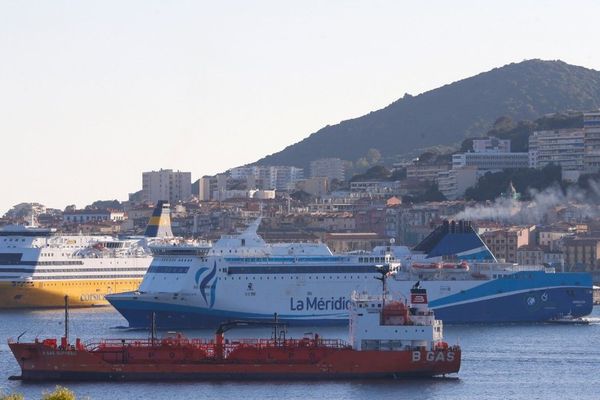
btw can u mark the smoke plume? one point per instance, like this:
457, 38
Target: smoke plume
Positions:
549, 205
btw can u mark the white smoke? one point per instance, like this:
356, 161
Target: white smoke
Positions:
549, 205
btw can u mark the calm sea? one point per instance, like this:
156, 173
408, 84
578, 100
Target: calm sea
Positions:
539, 361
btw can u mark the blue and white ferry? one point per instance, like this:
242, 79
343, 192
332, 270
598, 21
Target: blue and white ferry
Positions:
243, 277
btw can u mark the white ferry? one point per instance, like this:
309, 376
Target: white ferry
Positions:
243, 277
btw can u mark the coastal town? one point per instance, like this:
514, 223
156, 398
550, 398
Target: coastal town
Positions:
553, 227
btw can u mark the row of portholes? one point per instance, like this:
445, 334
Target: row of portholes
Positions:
296, 277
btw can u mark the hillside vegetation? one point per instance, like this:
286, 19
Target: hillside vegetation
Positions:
451, 113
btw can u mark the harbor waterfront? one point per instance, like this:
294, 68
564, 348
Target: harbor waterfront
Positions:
516, 361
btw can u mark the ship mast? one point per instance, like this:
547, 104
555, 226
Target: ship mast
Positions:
67, 319
383, 272
153, 327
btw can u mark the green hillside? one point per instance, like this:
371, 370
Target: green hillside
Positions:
451, 113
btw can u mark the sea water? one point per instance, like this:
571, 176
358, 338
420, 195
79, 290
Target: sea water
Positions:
508, 361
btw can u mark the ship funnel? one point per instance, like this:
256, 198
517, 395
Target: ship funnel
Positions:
418, 297
160, 221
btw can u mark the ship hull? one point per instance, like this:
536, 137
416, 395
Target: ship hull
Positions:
278, 375
51, 293
43, 364
525, 297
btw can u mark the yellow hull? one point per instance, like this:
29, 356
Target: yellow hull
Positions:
49, 294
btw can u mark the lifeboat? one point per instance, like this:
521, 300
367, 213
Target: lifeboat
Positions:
431, 267
451, 267
395, 313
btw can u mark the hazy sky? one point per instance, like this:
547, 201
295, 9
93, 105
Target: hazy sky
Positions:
94, 93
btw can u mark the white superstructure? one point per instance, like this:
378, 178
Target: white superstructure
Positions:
38, 266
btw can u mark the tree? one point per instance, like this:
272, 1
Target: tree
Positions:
373, 156
60, 393
432, 193
361, 164
376, 173
301, 196
398, 174
491, 185
13, 396
503, 123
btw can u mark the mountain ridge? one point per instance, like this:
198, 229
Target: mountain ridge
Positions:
452, 112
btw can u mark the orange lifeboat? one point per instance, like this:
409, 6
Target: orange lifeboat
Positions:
395, 313
451, 267
431, 267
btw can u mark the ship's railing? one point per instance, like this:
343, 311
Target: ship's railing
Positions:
506, 267
179, 250
281, 342
365, 297
209, 344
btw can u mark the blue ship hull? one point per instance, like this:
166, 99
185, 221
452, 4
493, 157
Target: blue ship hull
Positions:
521, 297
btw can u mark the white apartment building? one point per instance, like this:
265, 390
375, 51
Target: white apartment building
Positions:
491, 154
332, 168
564, 147
375, 187
166, 184
280, 177
425, 172
492, 161
206, 186
83, 216
591, 129
316, 186
490, 145
453, 183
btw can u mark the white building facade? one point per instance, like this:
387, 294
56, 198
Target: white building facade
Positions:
279, 177
490, 145
492, 161
453, 183
591, 128
166, 184
332, 168
563, 147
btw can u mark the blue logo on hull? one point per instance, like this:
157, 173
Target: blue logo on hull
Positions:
204, 284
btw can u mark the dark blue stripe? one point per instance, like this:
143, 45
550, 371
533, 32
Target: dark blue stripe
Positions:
151, 231
16, 270
41, 263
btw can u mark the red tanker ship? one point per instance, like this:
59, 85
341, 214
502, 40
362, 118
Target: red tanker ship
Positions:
388, 339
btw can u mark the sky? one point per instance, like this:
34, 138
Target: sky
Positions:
92, 93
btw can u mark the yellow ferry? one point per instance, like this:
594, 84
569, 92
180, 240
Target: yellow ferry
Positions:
38, 267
